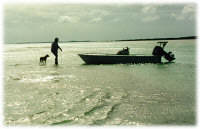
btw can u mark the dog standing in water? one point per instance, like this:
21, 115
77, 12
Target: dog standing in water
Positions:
43, 59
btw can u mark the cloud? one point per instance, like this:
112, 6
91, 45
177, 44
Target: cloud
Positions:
98, 12
151, 18
95, 20
187, 9
177, 16
69, 19
149, 9
96, 15
187, 12
19, 19
149, 13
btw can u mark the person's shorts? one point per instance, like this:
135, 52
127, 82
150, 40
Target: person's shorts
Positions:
55, 53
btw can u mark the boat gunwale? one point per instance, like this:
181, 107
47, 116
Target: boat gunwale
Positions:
107, 54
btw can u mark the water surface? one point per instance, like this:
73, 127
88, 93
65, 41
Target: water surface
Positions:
77, 94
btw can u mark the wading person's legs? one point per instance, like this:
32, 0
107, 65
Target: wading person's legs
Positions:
56, 57
56, 60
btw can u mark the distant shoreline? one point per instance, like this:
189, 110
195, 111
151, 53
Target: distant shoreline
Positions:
145, 39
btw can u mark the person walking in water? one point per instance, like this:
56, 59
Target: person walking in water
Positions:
54, 49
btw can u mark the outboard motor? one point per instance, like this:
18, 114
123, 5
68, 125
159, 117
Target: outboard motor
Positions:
169, 56
159, 51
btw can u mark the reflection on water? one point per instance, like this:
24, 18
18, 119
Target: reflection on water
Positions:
73, 93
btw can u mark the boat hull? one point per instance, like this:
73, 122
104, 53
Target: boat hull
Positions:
118, 59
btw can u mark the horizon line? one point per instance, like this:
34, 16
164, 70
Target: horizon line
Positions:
139, 39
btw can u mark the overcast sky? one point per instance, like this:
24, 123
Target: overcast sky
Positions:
44, 22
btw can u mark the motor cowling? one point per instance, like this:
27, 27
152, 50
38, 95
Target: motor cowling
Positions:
158, 51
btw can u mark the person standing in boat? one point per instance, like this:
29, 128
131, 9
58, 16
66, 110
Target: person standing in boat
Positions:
54, 49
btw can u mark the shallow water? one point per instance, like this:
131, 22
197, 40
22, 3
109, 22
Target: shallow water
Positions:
77, 94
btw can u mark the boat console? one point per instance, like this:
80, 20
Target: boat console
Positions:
124, 51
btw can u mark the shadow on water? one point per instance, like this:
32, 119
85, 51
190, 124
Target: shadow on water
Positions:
85, 65
163, 63
43, 65
57, 66
18, 64
127, 64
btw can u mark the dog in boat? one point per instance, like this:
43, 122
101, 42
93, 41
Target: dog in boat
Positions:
43, 59
124, 51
